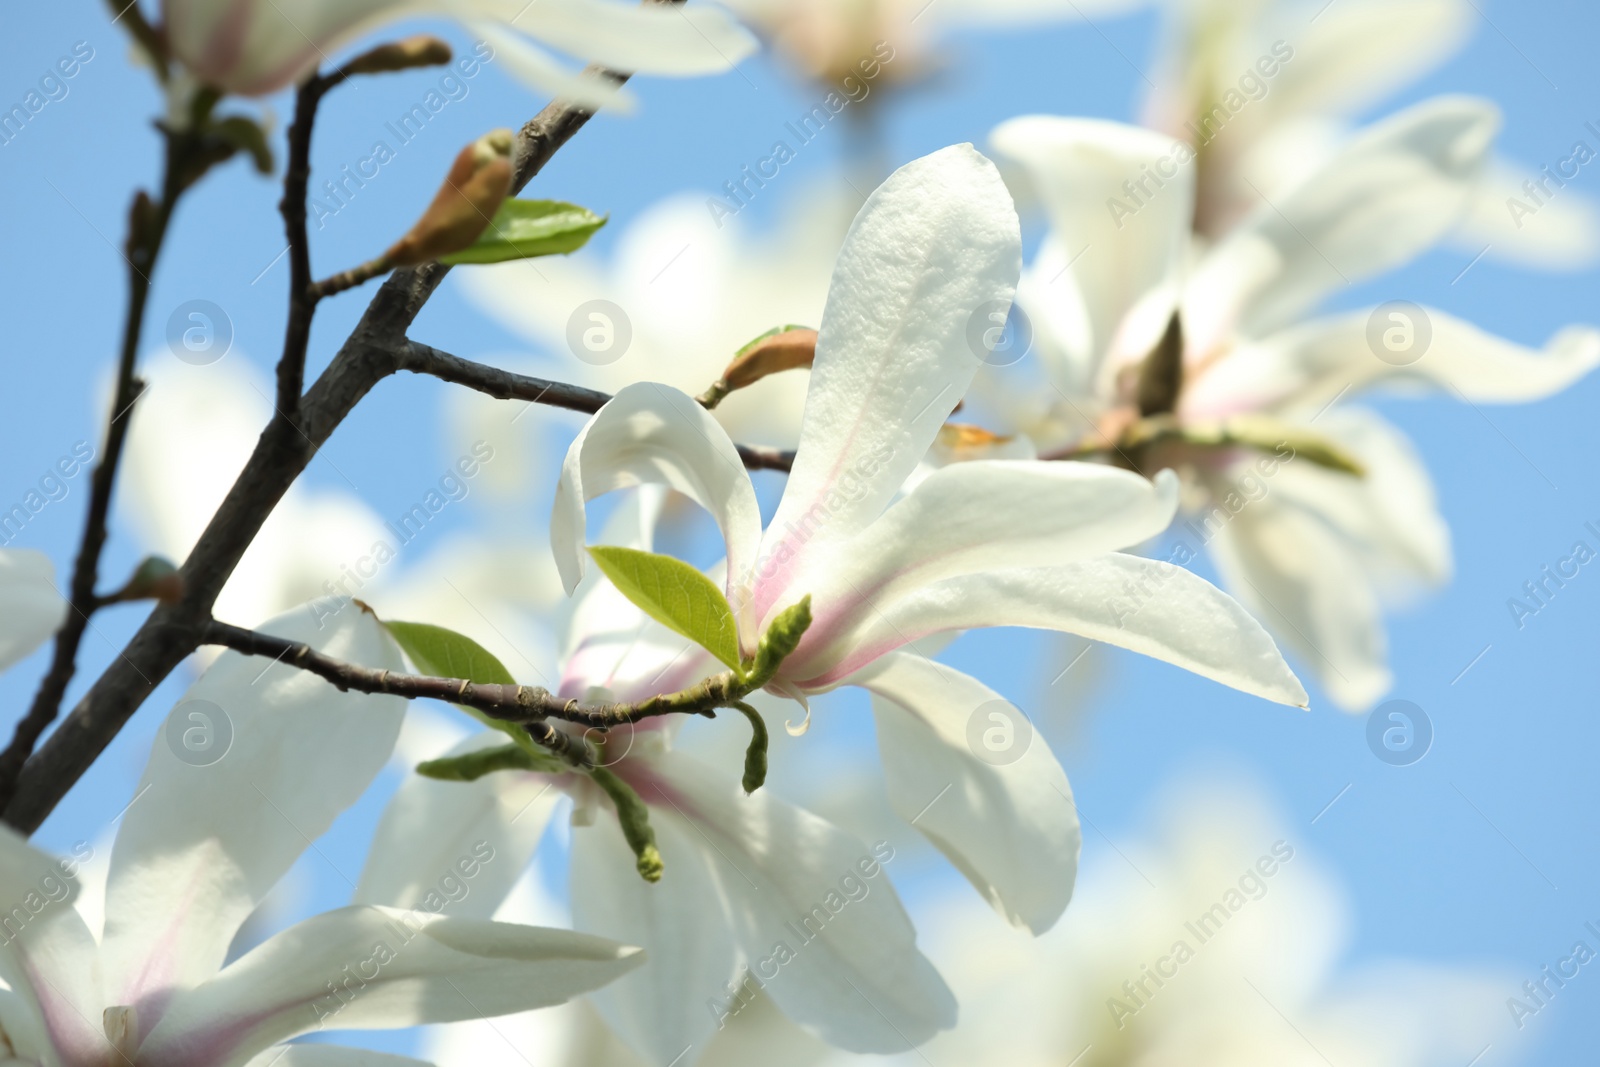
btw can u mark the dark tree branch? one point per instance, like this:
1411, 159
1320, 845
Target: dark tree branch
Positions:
507, 385
524, 704
173, 631
302, 298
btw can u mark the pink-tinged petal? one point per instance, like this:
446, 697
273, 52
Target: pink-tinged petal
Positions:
1306, 367
848, 968
650, 434
1000, 809
370, 968
1119, 199
933, 254
254, 763
1145, 605
976, 517
30, 606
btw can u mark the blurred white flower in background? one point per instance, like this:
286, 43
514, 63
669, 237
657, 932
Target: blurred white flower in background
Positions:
1290, 75
31, 605
686, 294
1310, 548
241, 46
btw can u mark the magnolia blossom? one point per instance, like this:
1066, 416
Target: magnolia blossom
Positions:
1266, 90
252, 766
31, 608
1308, 548
934, 251
755, 890
241, 46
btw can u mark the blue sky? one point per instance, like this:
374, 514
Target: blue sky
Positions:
1480, 853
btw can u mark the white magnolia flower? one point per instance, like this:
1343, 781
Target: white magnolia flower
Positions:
252, 766
1308, 548
752, 885
1216, 941
998, 543
1268, 88
31, 607
241, 46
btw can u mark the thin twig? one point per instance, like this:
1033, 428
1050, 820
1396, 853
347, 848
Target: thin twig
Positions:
508, 385
302, 298
523, 704
349, 279
147, 227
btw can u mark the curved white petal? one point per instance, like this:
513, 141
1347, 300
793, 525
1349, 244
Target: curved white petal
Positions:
934, 249
1386, 196
680, 922
1306, 584
307, 1054
987, 515
370, 968
1308, 366
653, 434
1547, 230
850, 971
1145, 605
457, 847
30, 607
1009, 825
694, 39
271, 755
537, 69
1122, 242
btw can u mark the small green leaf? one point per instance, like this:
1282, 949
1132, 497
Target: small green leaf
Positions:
244, 136
523, 229
634, 818
782, 637
446, 654
470, 766
675, 595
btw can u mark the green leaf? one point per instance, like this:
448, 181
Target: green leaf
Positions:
447, 654
675, 595
523, 229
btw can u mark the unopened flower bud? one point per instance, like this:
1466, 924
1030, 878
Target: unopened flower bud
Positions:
478, 183
423, 50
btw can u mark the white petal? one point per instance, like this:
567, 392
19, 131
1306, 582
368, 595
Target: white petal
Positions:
537, 69
1389, 194
307, 1054
1009, 826
988, 515
464, 843
1306, 584
653, 434
934, 246
202, 844
30, 607
859, 982
679, 922
1558, 230
387, 968
1304, 368
1122, 246
1148, 606
698, 39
